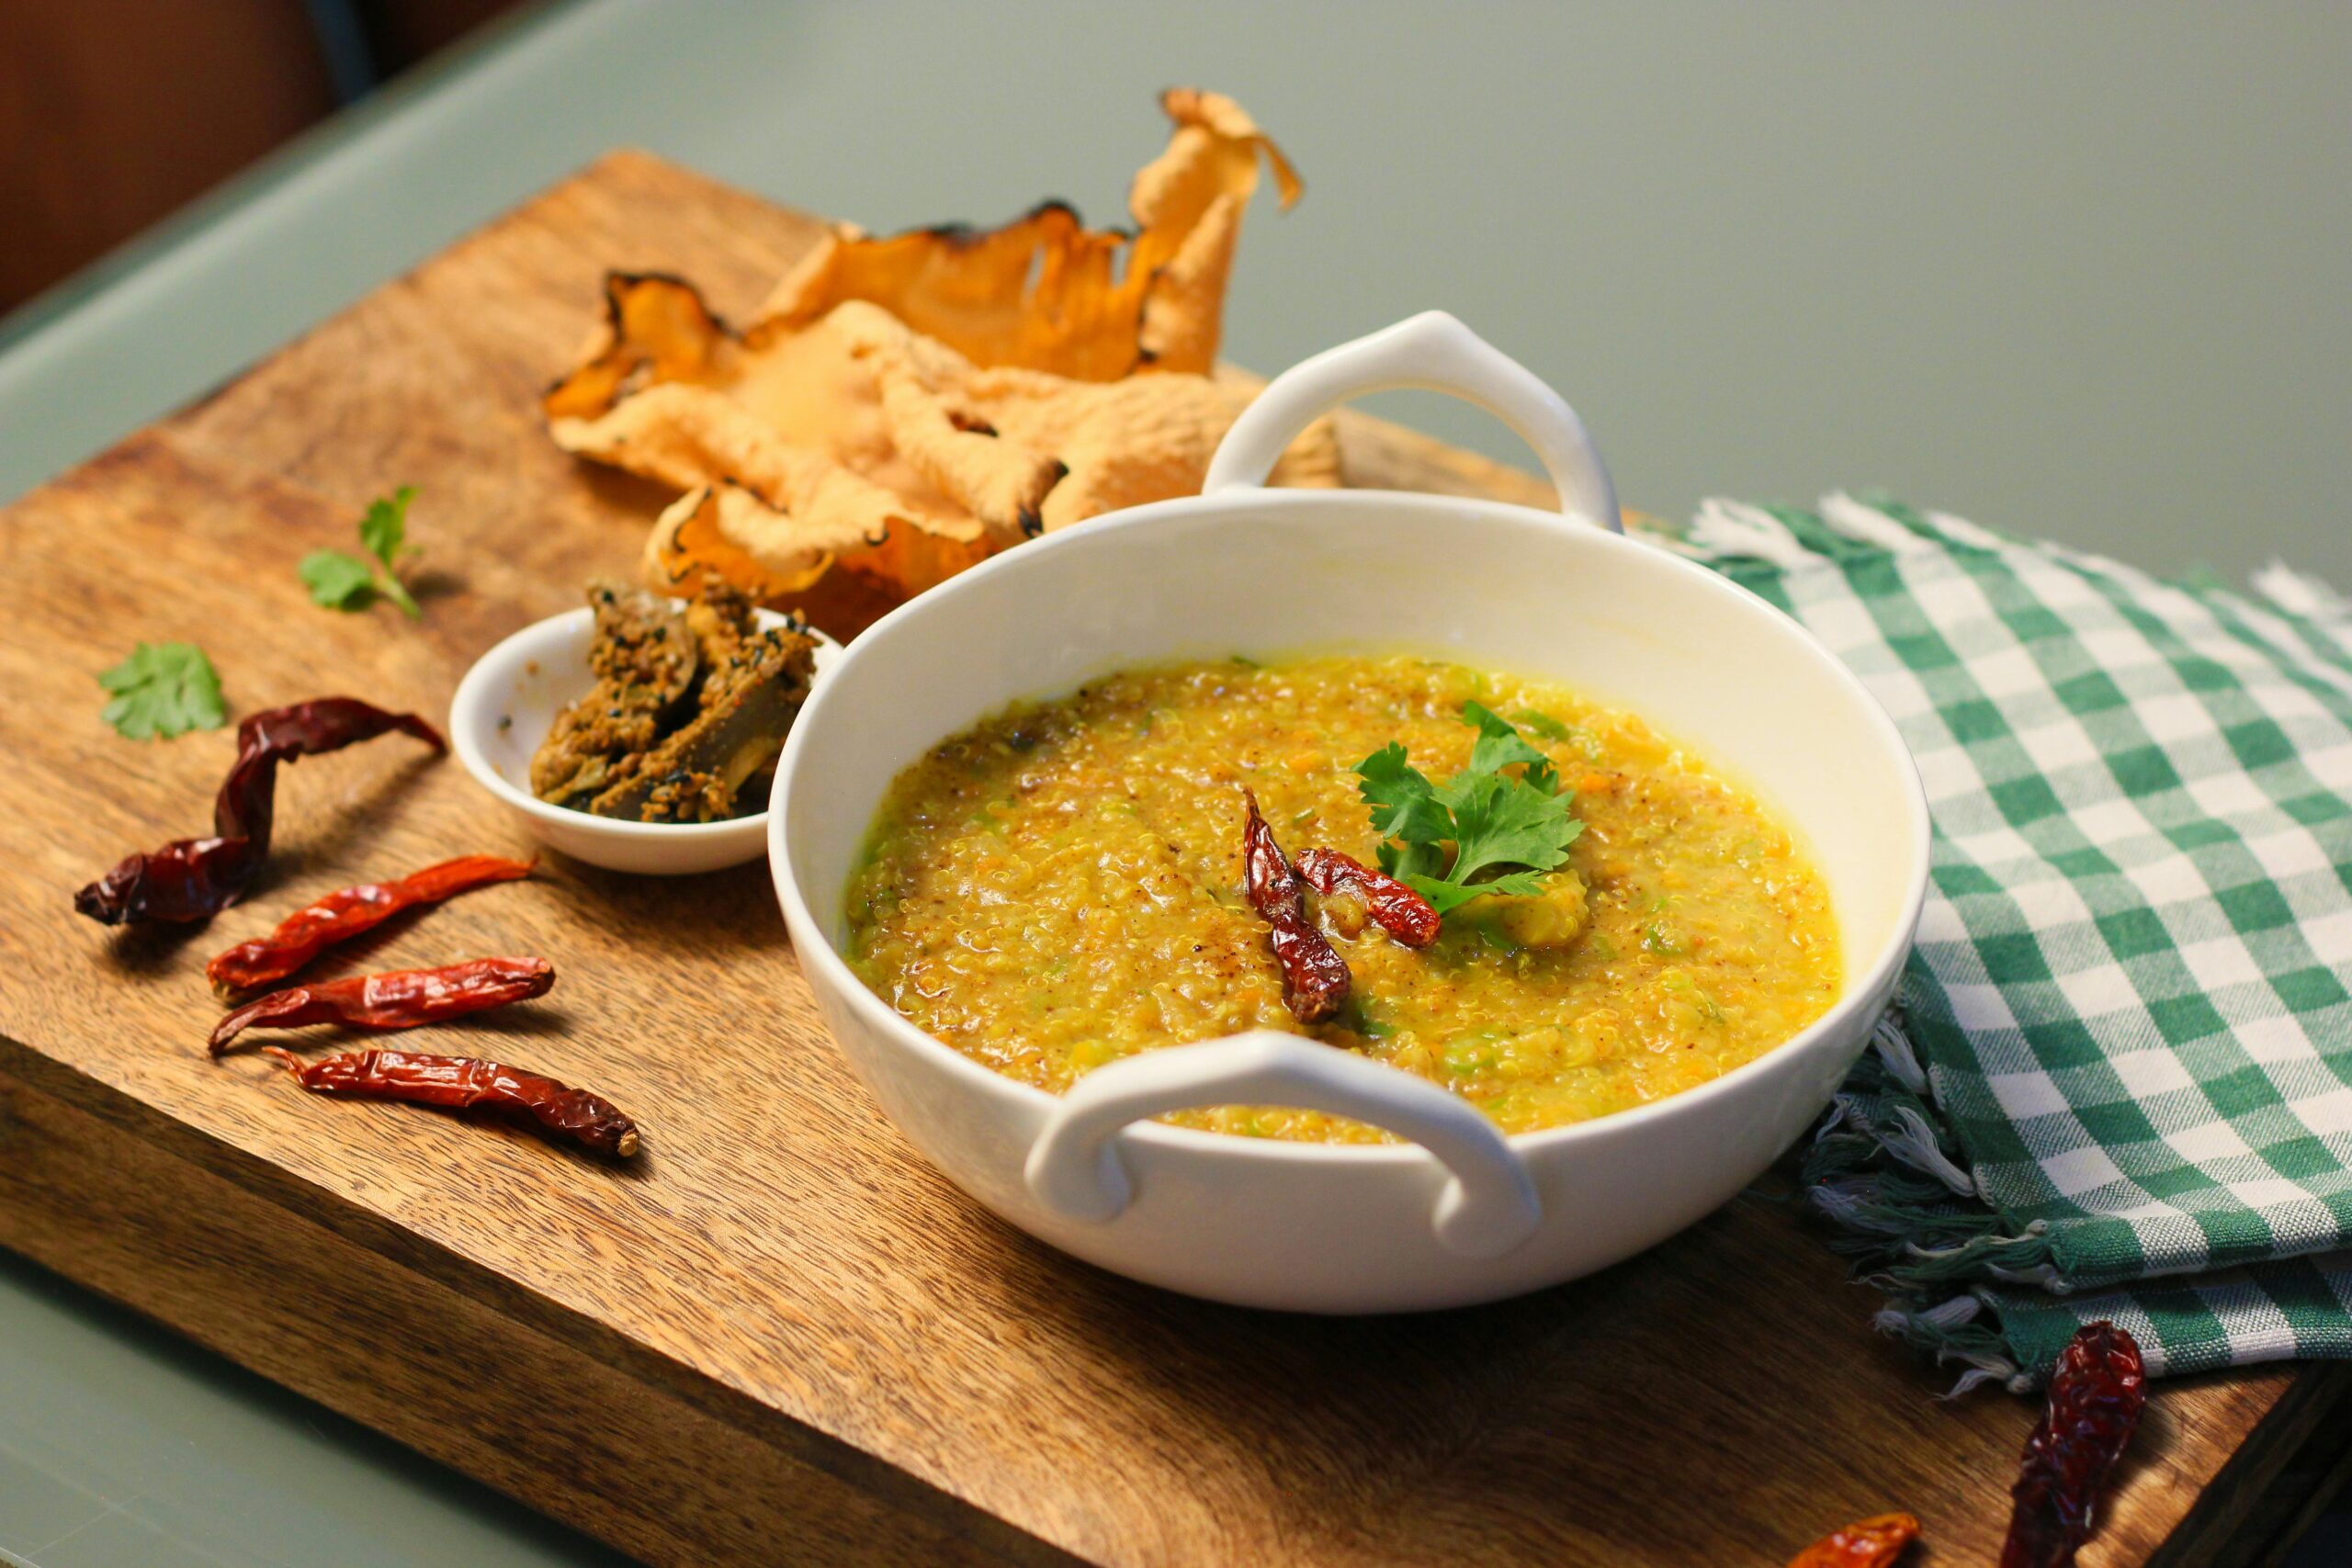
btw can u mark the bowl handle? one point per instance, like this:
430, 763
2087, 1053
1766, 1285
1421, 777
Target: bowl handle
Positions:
1487, 1207
1434, 352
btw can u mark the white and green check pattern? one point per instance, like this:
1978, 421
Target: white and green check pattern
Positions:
2120, 1081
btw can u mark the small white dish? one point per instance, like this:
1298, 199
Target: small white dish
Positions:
506, 704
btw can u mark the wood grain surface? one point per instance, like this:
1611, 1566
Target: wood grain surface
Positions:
781, 1336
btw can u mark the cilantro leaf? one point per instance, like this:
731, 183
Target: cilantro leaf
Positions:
384, 529
1501, 821
164, 688
338, 580
343, 582
1499, 746
1405, 807
1446, 897
1505, 829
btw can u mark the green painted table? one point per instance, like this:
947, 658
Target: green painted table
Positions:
2073, 274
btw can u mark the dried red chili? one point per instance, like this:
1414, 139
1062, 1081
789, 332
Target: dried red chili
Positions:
1396, 909
2096, 1396
1874, 1543
192, 879
399, 998
466, 1083
348, 913
1315, 977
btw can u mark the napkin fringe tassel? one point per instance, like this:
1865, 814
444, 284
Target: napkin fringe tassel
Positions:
1885, 1171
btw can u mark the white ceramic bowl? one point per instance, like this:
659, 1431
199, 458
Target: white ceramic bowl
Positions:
504, 708
1460, 1212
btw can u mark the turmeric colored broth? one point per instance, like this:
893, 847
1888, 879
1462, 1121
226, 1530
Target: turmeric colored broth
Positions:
1060, 885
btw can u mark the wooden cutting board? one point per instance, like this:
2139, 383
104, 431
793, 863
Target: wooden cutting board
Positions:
781, 1336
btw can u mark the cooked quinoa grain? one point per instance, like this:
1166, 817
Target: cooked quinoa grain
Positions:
1060, 886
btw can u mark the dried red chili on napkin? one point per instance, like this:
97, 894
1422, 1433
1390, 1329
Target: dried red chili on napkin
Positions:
399, 998
2096, 1396
1395, 908
1315, 977
191, 879
348, 913
465, 1083
1874, 1543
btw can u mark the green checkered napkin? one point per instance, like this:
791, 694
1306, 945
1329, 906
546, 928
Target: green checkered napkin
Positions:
2118, 1080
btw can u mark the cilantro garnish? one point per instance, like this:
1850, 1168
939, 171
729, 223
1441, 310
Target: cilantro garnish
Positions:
1507, 829
338, 580
164, 688
343, 582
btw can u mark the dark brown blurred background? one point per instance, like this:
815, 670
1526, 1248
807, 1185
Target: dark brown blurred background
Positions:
113, 113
